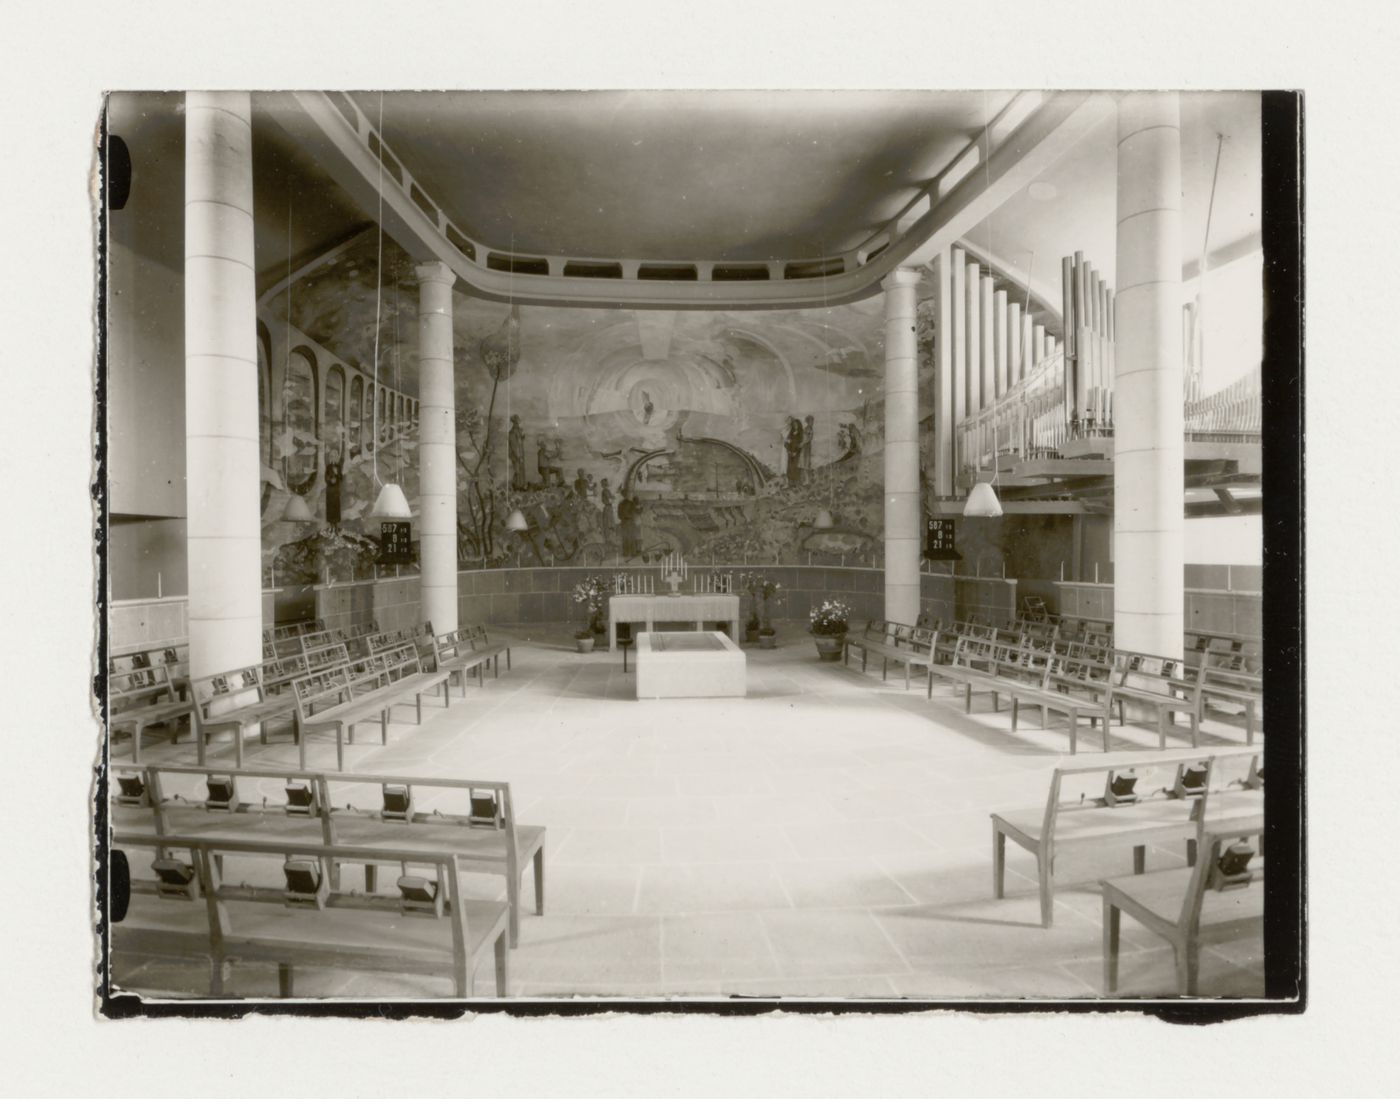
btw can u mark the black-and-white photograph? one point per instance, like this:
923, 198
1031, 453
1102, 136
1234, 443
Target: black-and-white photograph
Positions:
618, 546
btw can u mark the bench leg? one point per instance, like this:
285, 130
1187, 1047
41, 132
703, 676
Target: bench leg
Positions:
502, 967
507, 660
864, 659
1044, 873
998, 863
496, 666
481, 676
384, 725
1190, 852
1111, 918
539, 881
906, 675
884, 669
930, 685
238, 745
340, 747
1016, 712
284, 980
1161, 730
1188, 968
216, 976
1195, 730
513, 903
418, 701
1140, 859
996, 702
1249, 722
371, 878
1073, 731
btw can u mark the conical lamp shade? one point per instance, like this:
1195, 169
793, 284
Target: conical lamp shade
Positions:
391, 504
516, 521
296, 510
982, 501
824, 520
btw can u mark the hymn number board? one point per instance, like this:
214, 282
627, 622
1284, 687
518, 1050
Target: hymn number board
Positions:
396, 543
938, 541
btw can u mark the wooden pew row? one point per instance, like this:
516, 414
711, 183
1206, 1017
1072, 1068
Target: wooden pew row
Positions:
1124, 814
141, 697
912, 646
318, 806
1221, 896
309, 923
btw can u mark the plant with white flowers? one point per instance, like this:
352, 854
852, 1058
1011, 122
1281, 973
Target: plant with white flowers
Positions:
830, 619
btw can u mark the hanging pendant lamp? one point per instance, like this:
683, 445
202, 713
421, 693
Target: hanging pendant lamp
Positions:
391, 504
516, 521
982, 501
824, 520
296, 510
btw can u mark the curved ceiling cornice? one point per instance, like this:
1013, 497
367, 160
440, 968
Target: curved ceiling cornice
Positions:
1028, 134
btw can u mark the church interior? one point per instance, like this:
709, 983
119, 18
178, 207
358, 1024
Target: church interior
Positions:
690, 545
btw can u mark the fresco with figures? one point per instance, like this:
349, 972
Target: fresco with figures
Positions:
621, 436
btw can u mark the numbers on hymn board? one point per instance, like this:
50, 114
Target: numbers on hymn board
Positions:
939, 539
396, 543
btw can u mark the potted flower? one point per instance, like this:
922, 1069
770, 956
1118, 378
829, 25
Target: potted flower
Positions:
584, 640
767, 635
752, 583
592, 592
828, 626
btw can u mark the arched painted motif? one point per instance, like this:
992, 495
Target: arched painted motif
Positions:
367, 420
333, 414
300, 443
354, 414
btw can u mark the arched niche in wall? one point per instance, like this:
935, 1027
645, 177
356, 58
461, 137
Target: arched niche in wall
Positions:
354, 414
333, 413
367, 420
300, 430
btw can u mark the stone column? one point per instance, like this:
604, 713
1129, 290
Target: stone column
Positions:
902, 510
1148, 498
222, 482
944, 268
437, 447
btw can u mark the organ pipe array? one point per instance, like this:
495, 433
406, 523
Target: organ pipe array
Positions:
1043, 395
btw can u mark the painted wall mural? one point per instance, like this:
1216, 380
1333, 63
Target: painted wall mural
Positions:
620, 435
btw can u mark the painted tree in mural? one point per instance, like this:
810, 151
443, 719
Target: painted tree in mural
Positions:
479, 509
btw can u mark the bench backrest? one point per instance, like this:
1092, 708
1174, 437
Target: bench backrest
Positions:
1214, 779
1233, 668
1211, 841
330, 686
137, 686
278, 673
452, 644
174, 658
226, 691
387, 639
1012, 659
1164, 675
239, 911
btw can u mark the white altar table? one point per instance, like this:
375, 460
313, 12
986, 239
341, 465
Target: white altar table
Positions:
652, 609
690, 665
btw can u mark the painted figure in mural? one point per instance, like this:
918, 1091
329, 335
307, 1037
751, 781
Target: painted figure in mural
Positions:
516, 444
581, 485
627, 519
647, 407
547, 458
793, 445
852, 439
807, 433
334, 477
605, 497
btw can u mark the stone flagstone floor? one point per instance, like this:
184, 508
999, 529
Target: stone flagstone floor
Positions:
827, 836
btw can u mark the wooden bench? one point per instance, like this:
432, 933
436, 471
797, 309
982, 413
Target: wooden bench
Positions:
342, 696
1024, 676
482, 643
969, 667
278, 673
184, 908
455, 652
1193, 904
235, 701
912, 646
1110, 819
471, 819
1165, 685
141, 697
175, 658
1234, 678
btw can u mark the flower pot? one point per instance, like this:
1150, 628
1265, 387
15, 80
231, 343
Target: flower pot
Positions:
751, 637
768, 640
585, 644
829, 646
